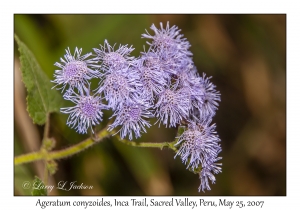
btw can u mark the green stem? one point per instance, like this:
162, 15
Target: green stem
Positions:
170, 145
43, 154
73, 149
149, 144
27, 158
53, 155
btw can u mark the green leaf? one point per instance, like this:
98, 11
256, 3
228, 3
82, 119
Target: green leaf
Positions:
38, 187
41, 99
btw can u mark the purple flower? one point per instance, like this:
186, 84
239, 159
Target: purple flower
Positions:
207, 98
171, 49
114, 60
151, 59
130, 116
168, 39
199, 147
202, 93
172, 107
152, 78
87, 111
187, 76
75, 70
120, 86
157, 61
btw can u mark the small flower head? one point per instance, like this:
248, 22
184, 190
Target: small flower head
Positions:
199, 147
152, 78
168, 39
156, 60
120, 86
87, 111
114, 60
207, 98
186, 76
151, 59
130, 115
172, 107
75, 70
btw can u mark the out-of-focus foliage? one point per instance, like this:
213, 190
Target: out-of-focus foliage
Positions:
244, 54
41, 98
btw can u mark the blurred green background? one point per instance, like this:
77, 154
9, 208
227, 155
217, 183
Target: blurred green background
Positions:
244, 54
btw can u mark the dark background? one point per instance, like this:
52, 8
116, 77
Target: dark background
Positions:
244, 54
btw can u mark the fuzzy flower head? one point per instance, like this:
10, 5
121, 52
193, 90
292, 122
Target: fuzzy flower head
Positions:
186, 77
156, 61
130, 115
207, 100
75, 70
198, 144
152, 79
120, 86
114, 60
151, 59
172, 107
199, 148
168, 39
87, 111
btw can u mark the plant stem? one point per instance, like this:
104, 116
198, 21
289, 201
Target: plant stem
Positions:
149, 144
77, 147
44, 154
53, 155
27, 158
47, 127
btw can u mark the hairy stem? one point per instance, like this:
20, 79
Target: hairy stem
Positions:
78, 147
52, 155
149, 144
27, 158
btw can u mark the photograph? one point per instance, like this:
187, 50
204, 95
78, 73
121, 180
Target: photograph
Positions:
149, 105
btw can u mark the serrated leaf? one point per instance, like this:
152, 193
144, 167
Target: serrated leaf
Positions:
38, 187
41, 99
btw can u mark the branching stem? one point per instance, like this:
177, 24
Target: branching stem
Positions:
60, 154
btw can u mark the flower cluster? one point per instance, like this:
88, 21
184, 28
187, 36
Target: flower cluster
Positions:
162, 82
182, 95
